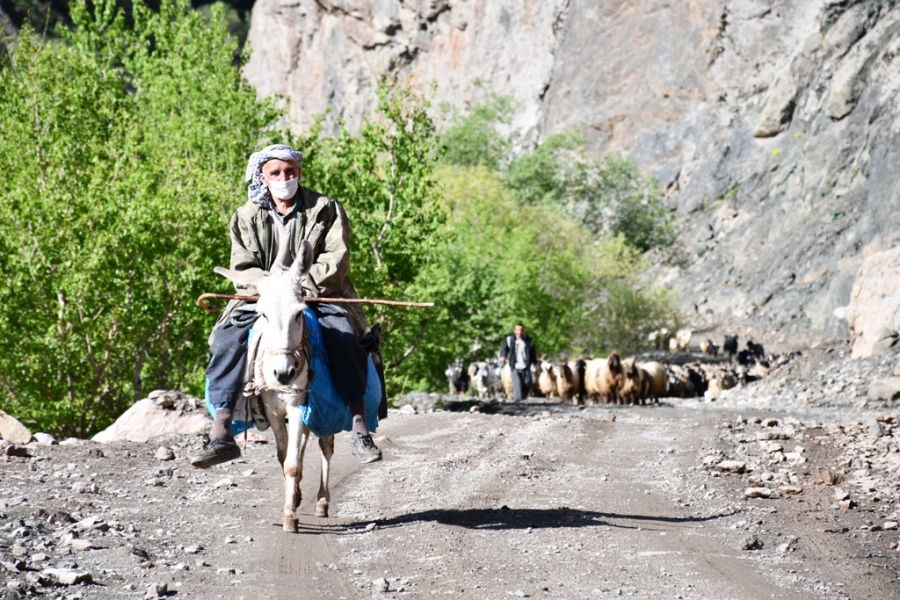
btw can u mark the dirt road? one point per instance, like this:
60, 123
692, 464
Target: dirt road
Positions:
552, 502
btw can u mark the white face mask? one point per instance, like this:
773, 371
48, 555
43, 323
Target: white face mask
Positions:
284, 190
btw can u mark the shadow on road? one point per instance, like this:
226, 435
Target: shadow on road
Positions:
535, 518
504, 518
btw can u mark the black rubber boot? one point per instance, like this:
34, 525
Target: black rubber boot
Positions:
219, 446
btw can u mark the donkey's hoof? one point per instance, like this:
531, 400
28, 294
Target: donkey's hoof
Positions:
321, 509
289, 525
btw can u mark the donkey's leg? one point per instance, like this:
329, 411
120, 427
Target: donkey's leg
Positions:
279, 429
324, 495
293, 469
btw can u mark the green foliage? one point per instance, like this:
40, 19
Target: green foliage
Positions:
609, 197
498, 262
121, 150
551, 173
477, 139
383, 177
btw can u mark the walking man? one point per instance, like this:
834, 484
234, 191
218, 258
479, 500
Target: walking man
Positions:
518, 350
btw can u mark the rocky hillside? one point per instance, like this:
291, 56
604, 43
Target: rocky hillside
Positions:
771, 123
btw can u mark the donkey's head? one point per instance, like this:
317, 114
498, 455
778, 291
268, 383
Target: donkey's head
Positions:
283, 348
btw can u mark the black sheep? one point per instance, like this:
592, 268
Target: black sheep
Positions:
730, 346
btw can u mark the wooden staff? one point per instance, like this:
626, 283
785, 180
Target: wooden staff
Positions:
201, 301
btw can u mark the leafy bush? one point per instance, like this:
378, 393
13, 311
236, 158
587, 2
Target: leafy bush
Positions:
610, 196
607, 196
122, 151
477, 138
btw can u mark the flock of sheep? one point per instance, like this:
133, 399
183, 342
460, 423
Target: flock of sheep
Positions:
613, 380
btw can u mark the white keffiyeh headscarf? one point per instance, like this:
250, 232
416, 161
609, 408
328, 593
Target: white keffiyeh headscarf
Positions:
257, 191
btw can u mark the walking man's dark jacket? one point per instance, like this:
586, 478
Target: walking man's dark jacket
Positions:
508, 351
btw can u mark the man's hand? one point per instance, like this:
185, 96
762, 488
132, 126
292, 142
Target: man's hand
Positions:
502, 360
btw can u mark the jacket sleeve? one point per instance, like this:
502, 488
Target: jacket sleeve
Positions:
245, 252
329, 271
533, 354
504, 352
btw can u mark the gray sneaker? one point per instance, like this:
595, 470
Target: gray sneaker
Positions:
364, 448
215, 451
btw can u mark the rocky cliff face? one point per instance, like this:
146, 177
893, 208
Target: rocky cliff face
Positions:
772, 123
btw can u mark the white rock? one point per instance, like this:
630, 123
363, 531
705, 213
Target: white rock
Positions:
87, 523
758, 492
712, 459
408, 409
795, 458
732, 466
156, 590
224, 483
771, 446
381, 584
84, 487
79, 544
12, 430
69, 576
45, 439
165, 453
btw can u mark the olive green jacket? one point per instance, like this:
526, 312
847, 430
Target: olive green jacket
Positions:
321, 221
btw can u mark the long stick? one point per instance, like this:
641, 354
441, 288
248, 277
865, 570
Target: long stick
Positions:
201, 301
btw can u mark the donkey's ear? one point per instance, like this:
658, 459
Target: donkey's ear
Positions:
302, 262
241, 278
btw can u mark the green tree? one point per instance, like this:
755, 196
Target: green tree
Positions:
122, 149
609, 196
383, 175
477, 138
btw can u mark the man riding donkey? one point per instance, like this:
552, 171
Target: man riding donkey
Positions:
266, 233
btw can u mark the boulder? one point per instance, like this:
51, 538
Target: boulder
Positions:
145, 420
887, 388
12, 430
874, 314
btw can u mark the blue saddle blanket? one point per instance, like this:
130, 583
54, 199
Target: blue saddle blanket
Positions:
325, 412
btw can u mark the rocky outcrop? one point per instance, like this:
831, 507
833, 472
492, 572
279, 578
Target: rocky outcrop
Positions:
327, 55
769, 122
874, 312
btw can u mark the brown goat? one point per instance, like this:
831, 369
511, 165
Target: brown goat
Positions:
656, 380
634, 385
643, 381
610, 378
565, 382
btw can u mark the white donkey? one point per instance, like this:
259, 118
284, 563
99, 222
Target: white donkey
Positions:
282, 373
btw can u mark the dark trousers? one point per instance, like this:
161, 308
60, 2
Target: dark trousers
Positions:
521, 380
346, 358
225, 373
